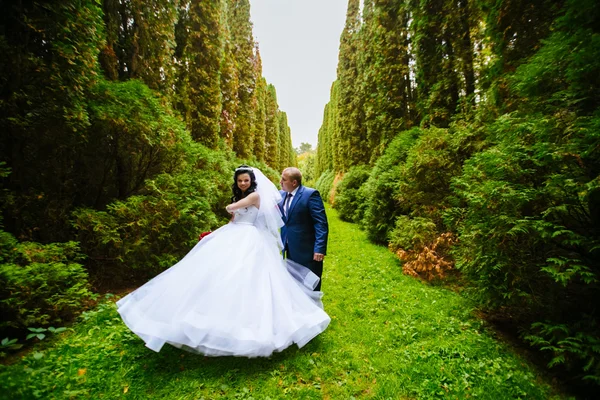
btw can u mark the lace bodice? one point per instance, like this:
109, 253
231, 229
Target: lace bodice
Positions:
246, 215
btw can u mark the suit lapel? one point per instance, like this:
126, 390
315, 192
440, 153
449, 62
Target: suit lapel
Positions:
281, 203
295, 200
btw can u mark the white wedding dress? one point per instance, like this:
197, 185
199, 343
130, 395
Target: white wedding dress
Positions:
231, 295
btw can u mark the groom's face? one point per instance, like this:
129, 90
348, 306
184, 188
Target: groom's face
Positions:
287, 184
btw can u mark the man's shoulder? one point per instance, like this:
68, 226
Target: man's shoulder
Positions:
311, 192
308, 190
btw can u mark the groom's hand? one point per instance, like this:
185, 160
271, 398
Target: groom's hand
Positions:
318, 257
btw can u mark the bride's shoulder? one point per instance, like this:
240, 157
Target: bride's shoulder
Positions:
254, 199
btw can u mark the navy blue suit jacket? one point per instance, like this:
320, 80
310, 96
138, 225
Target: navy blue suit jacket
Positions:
305, 231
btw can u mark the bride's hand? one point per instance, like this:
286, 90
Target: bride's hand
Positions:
229, 208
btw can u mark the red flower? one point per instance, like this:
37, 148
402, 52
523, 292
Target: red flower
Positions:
203, 234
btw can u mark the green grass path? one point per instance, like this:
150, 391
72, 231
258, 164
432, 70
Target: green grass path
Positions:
391, 337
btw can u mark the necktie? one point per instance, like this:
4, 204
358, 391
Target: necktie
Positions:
286, 206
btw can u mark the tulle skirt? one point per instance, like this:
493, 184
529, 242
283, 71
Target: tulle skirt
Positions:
231, 295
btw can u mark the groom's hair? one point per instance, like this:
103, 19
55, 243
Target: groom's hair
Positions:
294, 174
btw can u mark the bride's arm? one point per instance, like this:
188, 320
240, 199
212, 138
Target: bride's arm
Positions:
253, 199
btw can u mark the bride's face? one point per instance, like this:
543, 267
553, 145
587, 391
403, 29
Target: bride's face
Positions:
243, 182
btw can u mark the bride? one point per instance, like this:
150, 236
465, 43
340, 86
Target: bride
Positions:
232, 294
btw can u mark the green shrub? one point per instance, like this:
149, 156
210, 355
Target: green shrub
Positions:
528, 235
135, 239
574, 346
424, 179
412, 233
141, 236
423, 251
8, 246
528, 231
325, 185
349, 198
381, 189
132, 135
48, 287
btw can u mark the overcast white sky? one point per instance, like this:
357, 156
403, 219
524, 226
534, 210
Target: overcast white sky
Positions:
299, 42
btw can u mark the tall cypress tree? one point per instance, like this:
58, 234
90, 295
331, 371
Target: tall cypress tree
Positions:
108, 57
334, 130
465, 51
353, 145
327, 151
140, 38
260, 119
181, 99
285, 142
386, 73
271, 128
259, 109
323, 160
436, 81
205, 53
230, 82
513, 29
49, 70
243, 52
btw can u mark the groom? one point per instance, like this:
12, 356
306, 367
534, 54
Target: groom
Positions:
305, 232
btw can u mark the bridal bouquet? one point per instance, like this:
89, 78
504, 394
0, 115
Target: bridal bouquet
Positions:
203, 234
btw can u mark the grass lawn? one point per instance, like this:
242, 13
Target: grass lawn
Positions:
391, 337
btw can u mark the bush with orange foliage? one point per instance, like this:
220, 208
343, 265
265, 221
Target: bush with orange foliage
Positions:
428, 261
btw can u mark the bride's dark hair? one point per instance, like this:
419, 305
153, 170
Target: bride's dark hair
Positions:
237, 192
